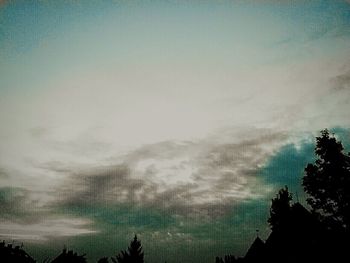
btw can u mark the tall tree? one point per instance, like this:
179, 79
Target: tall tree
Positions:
327, 182
134, 253
280, 209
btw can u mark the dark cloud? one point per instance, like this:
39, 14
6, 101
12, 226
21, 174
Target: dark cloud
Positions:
23, 218
341, 82
201, 179
3, 174
39, 132
105, 184
17, 205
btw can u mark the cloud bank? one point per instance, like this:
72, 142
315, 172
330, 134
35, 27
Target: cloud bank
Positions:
201, 179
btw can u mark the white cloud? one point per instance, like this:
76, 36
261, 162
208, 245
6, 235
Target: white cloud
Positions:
45, 230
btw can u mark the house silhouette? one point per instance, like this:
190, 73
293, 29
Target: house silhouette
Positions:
69, 257
300, 237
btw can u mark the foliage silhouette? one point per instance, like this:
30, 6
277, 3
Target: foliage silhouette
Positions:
320, 235
296, 234
328, 182
9, 254
134, 254
280, 209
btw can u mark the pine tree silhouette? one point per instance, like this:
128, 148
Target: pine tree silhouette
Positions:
134, 254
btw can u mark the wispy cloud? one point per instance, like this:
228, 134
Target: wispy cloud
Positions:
47, 229
23, 218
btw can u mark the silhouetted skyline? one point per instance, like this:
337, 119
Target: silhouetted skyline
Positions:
177, 121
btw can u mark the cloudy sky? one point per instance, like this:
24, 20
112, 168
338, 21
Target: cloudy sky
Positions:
174, 120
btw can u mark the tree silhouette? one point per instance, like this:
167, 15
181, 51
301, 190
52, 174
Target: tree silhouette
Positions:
328, 182
280, 209
8, 253
134, 254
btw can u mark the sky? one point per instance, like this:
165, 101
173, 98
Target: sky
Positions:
177, 121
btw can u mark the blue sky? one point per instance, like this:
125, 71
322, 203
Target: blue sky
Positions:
178, 121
